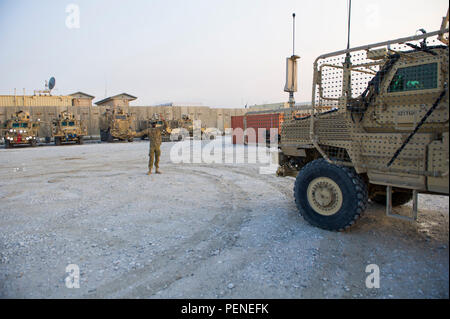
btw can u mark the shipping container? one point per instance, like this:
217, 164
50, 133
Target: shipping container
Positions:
237, 124
256, 127
265, 120
262, 125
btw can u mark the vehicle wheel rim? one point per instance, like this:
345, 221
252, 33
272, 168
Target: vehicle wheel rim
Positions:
324, 196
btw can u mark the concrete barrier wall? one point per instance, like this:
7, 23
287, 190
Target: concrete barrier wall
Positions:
210, 117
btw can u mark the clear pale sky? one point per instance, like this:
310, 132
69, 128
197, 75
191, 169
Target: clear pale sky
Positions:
224, 53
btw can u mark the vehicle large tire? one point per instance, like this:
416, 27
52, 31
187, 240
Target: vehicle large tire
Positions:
57, 141
398, 198
330, 197
109, 137
102, 136
33, 142
80, 140
7, 144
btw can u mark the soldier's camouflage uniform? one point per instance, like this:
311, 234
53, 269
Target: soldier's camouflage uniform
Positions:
154, 135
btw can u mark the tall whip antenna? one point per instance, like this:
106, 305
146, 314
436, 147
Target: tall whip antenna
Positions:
293, 34
291, 69
349, 21
348, 62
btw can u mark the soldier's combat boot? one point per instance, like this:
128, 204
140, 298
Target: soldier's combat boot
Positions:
149, 172
158, 171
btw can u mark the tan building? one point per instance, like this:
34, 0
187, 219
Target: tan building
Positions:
34, 100
120, 100
81, 99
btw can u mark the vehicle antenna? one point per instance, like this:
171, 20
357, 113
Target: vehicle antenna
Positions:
293, 34
348, 62
349, 23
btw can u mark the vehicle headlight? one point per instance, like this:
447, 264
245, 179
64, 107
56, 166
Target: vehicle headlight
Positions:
14, 130
11, 130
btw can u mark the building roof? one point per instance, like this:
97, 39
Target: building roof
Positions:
123, 96
82, 95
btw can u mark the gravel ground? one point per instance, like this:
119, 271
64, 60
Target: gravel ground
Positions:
197, 231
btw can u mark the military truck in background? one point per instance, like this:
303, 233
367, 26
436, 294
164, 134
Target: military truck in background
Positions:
160, 123
186, 127
379, 130
66, 128
211, 133
182, 128
21, 130
116, 124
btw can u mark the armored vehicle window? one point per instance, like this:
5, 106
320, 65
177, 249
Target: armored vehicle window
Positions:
24, 125
71, 123
15, 125
121, 117
419, 77
64, 123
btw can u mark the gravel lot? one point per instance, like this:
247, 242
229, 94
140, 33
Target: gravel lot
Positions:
197, 231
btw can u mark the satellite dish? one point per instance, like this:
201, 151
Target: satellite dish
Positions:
51, 83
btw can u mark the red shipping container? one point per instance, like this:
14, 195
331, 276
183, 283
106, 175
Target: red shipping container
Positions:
261, 121
237, 122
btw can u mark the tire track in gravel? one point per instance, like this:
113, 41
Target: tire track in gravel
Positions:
282, 185
172, 264
240, 258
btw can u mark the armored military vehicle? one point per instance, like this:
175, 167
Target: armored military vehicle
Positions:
160, 123
21, 130
67, 129
211, 133
116, 124
182, 128
379, 130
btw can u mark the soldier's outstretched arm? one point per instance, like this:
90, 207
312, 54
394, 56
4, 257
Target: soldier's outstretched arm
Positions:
141, 133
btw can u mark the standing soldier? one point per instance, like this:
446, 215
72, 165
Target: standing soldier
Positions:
154, 135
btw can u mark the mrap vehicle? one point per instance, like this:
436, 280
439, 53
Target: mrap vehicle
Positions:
67, 129
160, 123
116, 124
21, 130
384, 135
